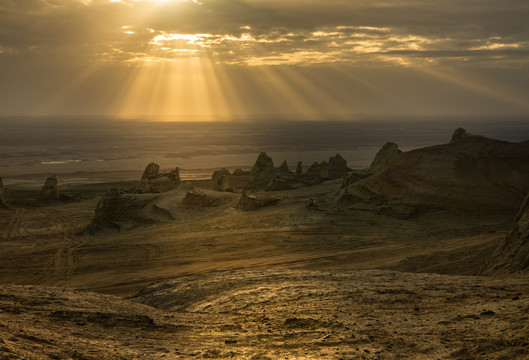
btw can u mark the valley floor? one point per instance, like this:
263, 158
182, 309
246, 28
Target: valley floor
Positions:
286, 281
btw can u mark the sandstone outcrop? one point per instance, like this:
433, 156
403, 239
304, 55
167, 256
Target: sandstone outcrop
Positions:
352, 177
49, 191
223, 184
199, 199
217, 174
299, 168
474, 173
513, 254
118, 211
319, 170
152, 181
250, 201
262, 172
283, 169
337, 167
3, 202
240, 172
459, 134
384, 157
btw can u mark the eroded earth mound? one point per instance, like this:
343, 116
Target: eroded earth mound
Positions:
471, 173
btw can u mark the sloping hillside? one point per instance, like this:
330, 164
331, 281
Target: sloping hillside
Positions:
513, 254
470, 173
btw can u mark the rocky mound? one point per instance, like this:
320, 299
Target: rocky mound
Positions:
262, 172
200, 199
335, 168
240, 172
118, 211
217, 174
299, 167
253, 202
471, 173
384, 157
3, 202
283, 169
49, 192
513, 254
152, 181
459, 134
223, 184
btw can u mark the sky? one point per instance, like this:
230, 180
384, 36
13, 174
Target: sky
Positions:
227, 59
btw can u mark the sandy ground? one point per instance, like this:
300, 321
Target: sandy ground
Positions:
274, 315
286, 281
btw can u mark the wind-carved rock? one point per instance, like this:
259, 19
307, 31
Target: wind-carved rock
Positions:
319, 170
199, 199
152, 181
384, 157
3, 202
119, 211
459, 134
49, 191
223, 184
217, 174
337, 167
262, 172
283, 169
249, 201
299, 168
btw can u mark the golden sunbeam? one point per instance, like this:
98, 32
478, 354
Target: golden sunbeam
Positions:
57, 99
478, 86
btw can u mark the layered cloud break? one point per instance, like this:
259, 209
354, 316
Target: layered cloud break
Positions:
270, 32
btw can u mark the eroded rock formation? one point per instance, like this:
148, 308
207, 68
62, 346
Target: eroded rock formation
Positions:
262, 172
49, 191
299, 168
199, 199
249, 201
217, 174
513, 254
152, 181
283, 169
474, 173
119, 211
223, 184
459, 134
384, 157
3, 202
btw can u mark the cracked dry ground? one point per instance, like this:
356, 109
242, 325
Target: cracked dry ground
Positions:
293, 314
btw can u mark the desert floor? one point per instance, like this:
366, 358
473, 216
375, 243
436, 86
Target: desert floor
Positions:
288, 281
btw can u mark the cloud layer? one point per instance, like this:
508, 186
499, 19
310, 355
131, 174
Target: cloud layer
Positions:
486, 35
